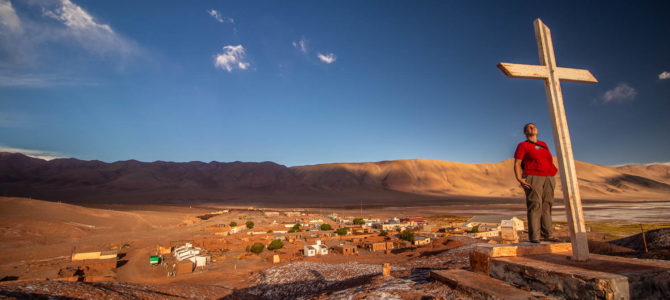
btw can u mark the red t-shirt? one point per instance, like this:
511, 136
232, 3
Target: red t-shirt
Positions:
535, 159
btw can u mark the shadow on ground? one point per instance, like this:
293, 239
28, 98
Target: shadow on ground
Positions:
296, 289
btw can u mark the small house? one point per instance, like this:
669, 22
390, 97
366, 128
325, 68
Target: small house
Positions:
200, 260
309, 251
316, 249
345, 249
492, 222
184, 267
421, 240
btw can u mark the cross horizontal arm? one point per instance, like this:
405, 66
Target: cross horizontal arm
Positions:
542, 72
576, 75
524, 71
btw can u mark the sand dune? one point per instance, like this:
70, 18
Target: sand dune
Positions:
434, 177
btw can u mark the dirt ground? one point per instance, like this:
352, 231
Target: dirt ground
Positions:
37, 240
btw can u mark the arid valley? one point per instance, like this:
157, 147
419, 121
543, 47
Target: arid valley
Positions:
133, 211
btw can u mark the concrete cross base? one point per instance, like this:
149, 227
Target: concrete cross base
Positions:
480, 256
480, 286
548, 271
601, 277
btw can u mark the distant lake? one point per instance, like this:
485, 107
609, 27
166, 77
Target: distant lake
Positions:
643, 212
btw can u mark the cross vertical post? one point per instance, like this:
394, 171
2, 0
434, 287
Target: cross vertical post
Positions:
552, 75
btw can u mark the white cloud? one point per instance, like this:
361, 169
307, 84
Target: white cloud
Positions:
233, 57
54, 33
8, 17
92, 35
76, 18
664, 75
327, 58
622, 92
217, 16
46, 155
301, 44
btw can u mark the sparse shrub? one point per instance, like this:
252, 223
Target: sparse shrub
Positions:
326, 227
276, 244
475, 229
232, 224
383, 233
359, 221
342, 231
257, 248
407, 235
249, 224
270, 231
398, 229
295, 228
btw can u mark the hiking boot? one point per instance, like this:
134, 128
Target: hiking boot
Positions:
535, 241
551, 239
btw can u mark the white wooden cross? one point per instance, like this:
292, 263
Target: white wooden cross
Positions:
552, 75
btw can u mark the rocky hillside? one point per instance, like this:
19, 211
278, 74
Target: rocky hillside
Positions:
76, 180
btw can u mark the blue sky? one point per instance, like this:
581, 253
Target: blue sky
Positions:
306, 82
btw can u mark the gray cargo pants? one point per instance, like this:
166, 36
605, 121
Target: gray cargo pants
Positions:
539, 199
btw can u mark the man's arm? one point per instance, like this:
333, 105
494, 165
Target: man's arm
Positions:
518, 172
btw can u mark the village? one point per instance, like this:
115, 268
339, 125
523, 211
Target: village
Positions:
252, 239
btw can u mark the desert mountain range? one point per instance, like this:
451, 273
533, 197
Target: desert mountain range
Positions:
386, 182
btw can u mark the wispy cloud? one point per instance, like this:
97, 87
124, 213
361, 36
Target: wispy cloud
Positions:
23, 81
664, 75
301, 45
621, 93
8, 17
92, 35
42, 154
13, 119
643, 164
328, 58
217, 16
233, 57
76, 18
40, 80
32, 34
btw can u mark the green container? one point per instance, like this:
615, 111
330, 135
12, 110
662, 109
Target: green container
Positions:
154, 259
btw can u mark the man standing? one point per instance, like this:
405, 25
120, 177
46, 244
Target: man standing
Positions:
534, 169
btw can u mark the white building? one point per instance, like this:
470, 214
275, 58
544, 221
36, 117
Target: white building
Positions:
186, 252
200, 260
390, 226
316, 249
309, 251
493, 222
484, 234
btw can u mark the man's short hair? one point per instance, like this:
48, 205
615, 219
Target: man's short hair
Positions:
525, 127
